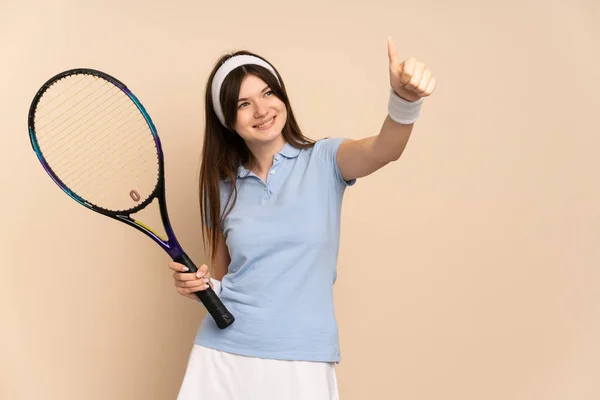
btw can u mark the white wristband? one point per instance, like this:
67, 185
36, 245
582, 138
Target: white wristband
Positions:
403, 111
216, 286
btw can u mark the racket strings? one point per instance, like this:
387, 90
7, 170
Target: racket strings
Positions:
105, 194
62, 98
97, 142
85, 148
59, 130
110, 111
82, 179
103, 152
68, 113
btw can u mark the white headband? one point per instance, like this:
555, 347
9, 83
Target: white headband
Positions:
224, 70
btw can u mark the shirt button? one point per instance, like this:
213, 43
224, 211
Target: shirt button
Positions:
273, 172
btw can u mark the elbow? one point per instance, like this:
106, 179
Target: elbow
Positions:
392, 156
390, 152
395, 157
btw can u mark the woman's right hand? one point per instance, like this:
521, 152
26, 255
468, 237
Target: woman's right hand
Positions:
187, 283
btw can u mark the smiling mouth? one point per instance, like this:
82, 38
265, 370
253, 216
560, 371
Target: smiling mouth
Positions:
267, 124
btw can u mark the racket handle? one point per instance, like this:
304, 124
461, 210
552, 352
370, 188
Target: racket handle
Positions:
209, 298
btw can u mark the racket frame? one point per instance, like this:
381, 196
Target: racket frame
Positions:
168, 244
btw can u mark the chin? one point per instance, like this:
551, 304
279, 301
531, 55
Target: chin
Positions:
271, 136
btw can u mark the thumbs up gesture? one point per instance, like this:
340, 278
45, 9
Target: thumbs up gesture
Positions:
410, 79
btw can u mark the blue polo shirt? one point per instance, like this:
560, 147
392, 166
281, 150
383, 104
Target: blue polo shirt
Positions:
283, 239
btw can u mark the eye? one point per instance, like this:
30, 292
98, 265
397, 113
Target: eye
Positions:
241, 105
270, 92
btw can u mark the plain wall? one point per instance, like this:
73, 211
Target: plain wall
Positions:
468, 270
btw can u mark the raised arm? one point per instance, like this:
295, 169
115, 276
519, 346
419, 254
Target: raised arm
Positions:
410, 83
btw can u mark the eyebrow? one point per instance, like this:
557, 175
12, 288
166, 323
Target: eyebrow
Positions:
244, 99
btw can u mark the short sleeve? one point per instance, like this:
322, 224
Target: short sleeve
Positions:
326, 149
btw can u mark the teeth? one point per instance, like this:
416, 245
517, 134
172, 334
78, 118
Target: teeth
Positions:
265, 124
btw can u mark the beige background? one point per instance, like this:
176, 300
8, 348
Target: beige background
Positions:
468, 269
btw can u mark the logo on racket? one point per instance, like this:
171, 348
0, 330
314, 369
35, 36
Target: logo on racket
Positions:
135, 195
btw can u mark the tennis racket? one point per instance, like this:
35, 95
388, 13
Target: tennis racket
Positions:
97, 142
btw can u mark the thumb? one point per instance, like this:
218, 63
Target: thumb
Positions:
202, 271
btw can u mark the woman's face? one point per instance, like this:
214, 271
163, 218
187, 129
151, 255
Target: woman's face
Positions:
261, 116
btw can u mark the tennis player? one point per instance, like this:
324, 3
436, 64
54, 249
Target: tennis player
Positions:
270, 203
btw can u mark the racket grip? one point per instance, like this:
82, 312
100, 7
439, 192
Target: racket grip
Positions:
209, 298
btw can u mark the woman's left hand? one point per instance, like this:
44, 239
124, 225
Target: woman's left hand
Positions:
410, 78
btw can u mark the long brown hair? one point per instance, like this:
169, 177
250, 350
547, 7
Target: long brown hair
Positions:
224, 150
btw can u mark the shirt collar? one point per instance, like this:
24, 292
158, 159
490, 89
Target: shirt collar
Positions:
288, 151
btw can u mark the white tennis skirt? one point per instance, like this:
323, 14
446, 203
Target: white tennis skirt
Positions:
217, 375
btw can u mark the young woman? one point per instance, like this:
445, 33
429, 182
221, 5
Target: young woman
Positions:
270, 204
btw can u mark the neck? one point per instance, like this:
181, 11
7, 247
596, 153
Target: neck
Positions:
263, 154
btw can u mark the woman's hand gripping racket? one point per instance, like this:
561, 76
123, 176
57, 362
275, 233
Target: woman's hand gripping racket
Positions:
98, 143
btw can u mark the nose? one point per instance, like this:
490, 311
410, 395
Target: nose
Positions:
261, 109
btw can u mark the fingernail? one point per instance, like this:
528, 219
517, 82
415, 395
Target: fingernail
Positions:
198, 274
185, 268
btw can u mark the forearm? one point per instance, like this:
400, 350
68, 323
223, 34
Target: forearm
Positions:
397, 127
392, 140
358, 158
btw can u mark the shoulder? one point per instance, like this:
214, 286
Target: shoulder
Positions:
326, 149
329, 143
